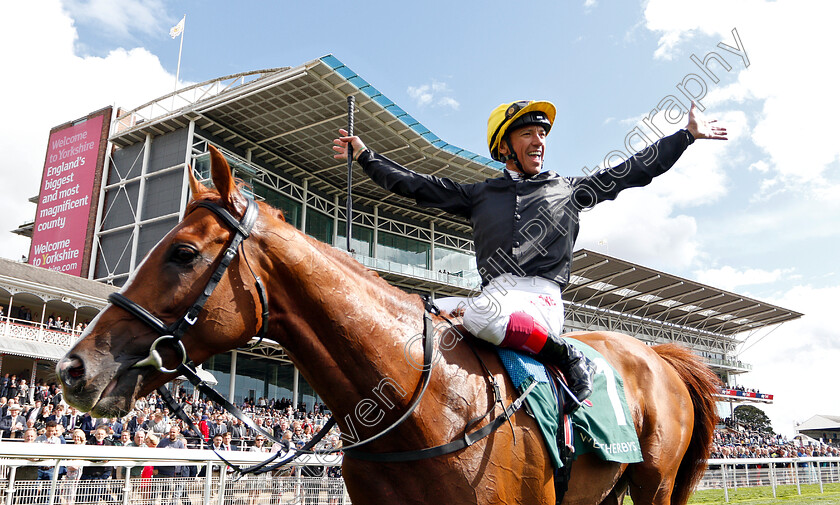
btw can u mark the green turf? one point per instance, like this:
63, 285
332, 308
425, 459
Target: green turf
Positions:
785, 495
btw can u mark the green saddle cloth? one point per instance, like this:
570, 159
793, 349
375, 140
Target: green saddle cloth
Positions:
603, 424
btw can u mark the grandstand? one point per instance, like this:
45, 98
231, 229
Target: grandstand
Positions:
275, 127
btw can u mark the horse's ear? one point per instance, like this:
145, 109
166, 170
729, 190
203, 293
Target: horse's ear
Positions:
232, 199
196, 187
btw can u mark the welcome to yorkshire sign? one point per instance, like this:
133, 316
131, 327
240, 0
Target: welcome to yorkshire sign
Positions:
59, 235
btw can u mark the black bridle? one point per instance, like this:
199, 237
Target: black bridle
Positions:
173, 333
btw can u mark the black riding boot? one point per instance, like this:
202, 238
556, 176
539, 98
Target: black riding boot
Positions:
578, 369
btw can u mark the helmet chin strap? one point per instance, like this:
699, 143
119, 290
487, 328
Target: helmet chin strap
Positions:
512, 156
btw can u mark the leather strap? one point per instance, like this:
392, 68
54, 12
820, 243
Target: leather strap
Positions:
462, 443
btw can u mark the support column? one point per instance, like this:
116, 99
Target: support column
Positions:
8, 315
375, 231
41, 327
304, 206
138, 211
432, 262
295, 381
232, 388
32, 381
334, 238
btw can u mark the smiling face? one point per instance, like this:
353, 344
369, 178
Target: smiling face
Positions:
529, 146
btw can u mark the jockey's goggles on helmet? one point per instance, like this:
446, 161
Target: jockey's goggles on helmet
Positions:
510, 116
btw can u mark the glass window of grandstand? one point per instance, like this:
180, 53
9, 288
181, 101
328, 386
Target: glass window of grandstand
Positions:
254, 189
201, 167
241, 169
403, 250
319, 225
456, 263
291, 209
361, 242
259, 378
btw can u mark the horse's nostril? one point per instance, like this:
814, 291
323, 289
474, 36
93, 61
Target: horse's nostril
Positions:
72, 368
76, 371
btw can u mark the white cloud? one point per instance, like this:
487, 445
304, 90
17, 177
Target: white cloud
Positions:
729, 278
798, 360
642, 229
436, 94
792, 215
648, 226
122, 17
51, 85
787, 47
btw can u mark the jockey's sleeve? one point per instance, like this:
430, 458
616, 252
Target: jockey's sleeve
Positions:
637, 171
426, 190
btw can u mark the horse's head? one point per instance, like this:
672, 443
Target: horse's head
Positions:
101, 374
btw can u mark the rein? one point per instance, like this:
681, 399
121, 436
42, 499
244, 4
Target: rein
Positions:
174, 333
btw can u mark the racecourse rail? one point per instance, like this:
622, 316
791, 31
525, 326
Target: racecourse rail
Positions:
289, 486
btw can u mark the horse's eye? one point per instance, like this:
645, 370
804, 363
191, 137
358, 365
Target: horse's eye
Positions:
183, 255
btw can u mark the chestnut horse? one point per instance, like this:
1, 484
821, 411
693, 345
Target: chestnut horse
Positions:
350, 334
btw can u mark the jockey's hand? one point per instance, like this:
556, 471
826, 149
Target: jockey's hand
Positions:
700, 128
340, 146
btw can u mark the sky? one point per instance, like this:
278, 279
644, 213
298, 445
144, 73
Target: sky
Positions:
757, 215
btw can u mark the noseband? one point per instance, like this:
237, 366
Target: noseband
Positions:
175, 331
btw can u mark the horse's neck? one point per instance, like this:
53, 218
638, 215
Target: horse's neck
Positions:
345, 328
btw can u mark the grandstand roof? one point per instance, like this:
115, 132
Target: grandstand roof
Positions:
288, 117
80, 289
608, 283
819, 422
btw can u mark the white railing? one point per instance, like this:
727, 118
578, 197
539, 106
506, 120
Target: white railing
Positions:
289, 486
470, 280
729, 474
221, 488
37, 332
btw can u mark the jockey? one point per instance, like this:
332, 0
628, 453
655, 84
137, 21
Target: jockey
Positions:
525, 223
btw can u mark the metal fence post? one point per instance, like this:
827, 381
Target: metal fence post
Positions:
725, 484
54, 482
10, 491
208, 479
819, 476
222, 484
773, 477
127, 485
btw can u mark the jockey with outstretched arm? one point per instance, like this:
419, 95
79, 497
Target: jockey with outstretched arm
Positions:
525, 223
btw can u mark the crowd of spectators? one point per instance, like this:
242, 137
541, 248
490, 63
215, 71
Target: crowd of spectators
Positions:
16, 389
23, 315
743, 389
151, 424
151, 415
744, 440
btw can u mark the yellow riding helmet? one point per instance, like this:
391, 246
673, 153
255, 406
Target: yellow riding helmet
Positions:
509, 116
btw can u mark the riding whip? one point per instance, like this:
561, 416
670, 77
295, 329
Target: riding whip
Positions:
351, 106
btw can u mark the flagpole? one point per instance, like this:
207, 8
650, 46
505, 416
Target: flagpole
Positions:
178, 70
